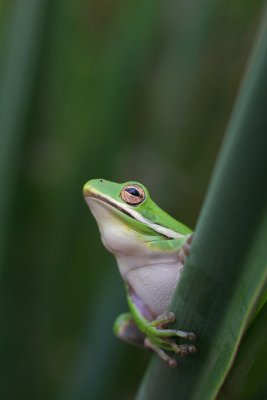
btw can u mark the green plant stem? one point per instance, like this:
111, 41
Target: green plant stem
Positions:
224, 276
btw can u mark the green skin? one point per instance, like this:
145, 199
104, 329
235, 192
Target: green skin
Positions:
142, 236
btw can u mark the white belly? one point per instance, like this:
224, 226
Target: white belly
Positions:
155, 284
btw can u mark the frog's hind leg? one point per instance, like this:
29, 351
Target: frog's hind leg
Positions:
126, 329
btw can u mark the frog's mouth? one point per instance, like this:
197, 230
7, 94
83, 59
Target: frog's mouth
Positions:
132, 213
112, 203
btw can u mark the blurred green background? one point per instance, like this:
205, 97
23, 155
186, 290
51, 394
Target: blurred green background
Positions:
115, 89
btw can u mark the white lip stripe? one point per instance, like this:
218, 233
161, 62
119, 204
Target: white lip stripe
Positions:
138, 217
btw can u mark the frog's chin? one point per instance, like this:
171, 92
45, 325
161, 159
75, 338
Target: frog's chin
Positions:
116, 234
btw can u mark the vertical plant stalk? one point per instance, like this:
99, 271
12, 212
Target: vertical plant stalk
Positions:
223, 277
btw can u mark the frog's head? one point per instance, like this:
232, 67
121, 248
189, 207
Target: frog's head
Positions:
130, 205
130, 198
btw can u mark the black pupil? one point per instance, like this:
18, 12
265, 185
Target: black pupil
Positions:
133, 191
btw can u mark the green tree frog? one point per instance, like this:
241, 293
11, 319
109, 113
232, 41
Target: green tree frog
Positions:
150, 248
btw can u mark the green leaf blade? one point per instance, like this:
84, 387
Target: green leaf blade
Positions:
225, 275
247, 378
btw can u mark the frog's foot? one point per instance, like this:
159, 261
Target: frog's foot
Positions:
187, 245
160, 338
160, 352
160, 346
185, 250
159, 327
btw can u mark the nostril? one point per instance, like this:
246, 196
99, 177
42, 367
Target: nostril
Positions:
101, 180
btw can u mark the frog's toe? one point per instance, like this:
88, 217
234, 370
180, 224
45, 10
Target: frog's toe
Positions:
191, 336
172, 362
192, 349
182, 349
185, 350
170, 316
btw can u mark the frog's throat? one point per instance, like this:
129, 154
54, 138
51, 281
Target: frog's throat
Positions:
169, 233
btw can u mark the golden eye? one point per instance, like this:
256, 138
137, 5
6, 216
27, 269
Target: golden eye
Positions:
133, 194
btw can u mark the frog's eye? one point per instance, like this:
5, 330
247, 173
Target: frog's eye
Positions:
133, 194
